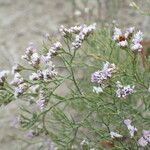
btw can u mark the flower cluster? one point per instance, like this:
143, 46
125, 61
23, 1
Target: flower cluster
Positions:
3, 77
123, 39
52, 51
145, 139
81, 32
32, 56
45, 74
20, 85
41, 101
124, 91
136, 42
101, 76
132, 129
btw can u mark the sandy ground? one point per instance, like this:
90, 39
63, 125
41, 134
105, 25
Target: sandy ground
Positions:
23, 21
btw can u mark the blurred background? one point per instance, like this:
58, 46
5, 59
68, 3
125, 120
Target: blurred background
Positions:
24, 21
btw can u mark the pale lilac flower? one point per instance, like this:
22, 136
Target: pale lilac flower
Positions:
29, 52
3, 76
97, 89
35, 60
56, 46
124, 91
101, 75
146, 135
142, 142
115, 135
132, 129
145, 139
129, 32
36, 75
17, 79
136, 42
41, 101
20, 89
49, 73
30, 134
117, 33
136, 47
84, 32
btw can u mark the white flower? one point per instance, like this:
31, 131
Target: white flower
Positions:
35, 59
115, 135
77, 13
132, 129
84, 142
123, 43
97, 89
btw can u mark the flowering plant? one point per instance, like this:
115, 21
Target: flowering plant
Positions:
96, 96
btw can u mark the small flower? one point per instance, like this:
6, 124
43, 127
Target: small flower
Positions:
136, 42
84, 32
142, 142
129, 32
97, 89
115, 135
145, 139
132, 129
41, 101
118, 34
17, 79
20, 89
84, 142
36, 75
30, 134
56, 46
77, 13
124, 91
123, 43
101, 76
35, 60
